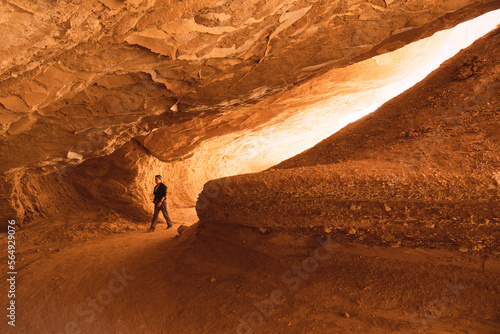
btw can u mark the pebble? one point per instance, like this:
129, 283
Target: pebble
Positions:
181, 229
213, 280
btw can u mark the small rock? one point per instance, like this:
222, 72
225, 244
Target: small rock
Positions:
263, 230
181, 229
352, 230
387, 207
463, 249
346, 315
389, 237
353, 207
213, 280
327, 229
396, 244
496, 178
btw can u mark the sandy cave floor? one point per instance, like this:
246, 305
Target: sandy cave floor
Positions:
212, 279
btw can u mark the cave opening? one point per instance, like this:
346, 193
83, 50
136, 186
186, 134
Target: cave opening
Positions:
314, 111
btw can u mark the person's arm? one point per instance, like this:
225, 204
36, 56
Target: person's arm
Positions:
163, 194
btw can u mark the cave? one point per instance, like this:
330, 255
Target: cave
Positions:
328, 166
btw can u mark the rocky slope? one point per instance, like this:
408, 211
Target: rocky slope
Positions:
423, 170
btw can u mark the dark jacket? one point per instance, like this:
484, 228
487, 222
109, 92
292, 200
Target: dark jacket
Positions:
160, 192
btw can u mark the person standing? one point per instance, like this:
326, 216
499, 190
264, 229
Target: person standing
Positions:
160, 202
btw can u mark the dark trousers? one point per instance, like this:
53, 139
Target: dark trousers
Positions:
163, 209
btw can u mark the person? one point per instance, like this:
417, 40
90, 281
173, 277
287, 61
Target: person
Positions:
160, 202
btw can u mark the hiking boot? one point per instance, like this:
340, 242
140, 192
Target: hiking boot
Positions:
169, 226
151, 229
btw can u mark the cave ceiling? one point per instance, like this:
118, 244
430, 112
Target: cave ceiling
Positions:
79, 79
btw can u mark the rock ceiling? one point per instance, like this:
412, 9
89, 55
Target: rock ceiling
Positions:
115, 70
